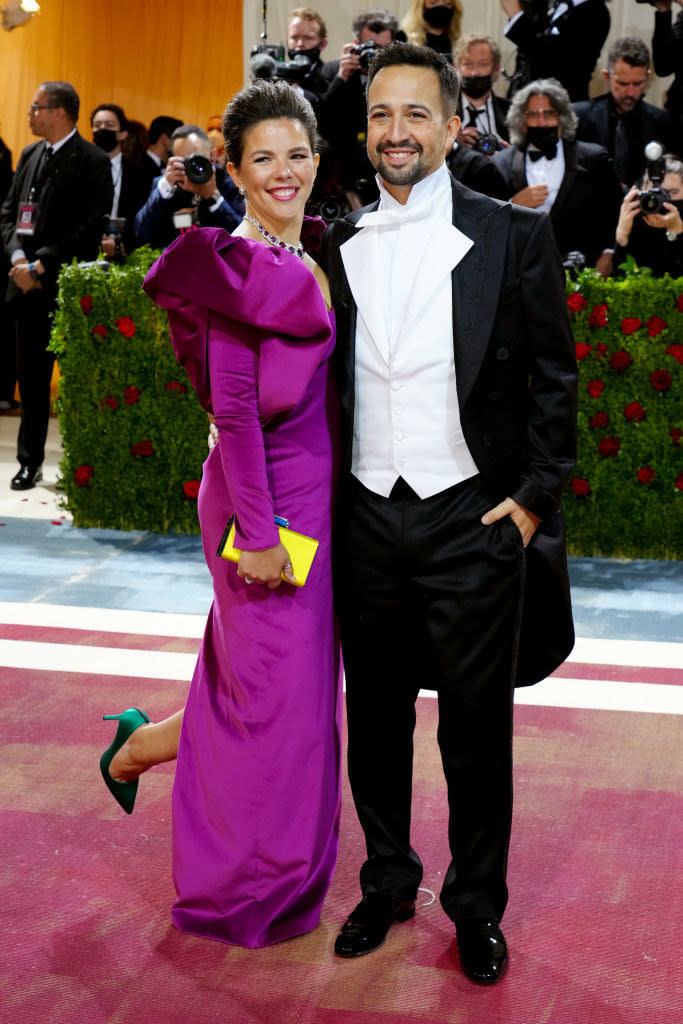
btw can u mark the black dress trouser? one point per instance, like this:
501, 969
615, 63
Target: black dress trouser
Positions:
430, 597
34, 372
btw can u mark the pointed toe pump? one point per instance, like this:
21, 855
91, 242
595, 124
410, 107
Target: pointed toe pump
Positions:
123, 792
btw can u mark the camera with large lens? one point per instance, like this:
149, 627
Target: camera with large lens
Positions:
487, 144
652, 199
198, 168
365, 52
294, 70
277, 52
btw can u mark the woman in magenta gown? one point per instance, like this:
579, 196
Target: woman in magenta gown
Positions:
256, 796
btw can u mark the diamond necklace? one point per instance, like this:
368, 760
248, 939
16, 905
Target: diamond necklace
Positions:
296, 250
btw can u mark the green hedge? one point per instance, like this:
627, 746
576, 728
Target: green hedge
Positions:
134, 435
625, 497
135, 438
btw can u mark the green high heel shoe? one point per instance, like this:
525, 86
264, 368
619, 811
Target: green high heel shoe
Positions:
123, 792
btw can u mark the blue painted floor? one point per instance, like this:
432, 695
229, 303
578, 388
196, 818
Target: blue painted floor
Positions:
42, 562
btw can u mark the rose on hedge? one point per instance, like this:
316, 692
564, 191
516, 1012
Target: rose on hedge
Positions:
655, 325
646, 475
126, 326
86, 303
595, 388
609, 447
580, 487
679, 482
599, 421
110, 402
600, 349
175, 385
661, 380
677, 352
131, 394
142, 448
191, 488
582, 350
576, 302
634, 412
675, 435
598, 317
630, 324
83, 475
100, 331
620, 360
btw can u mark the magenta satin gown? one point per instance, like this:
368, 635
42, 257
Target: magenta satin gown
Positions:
256, 798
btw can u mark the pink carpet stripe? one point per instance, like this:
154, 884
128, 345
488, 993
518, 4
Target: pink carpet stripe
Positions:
99, 638
619, 673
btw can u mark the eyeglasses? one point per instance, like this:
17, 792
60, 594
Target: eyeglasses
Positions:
40, 106
536, 115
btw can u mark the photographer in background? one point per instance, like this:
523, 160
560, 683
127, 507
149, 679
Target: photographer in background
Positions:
212, 203
654, 240
561, 41
667, 55
307, 36
343, 112
109, 127
483, 114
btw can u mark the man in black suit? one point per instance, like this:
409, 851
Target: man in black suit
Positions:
307, 36
131, 182
559, 40
546, 169
160, 131
483, 114
621, 120
667, 57
458, 393
55, 211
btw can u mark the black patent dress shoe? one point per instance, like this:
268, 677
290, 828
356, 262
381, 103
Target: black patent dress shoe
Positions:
366, 927
483, 950
27, 477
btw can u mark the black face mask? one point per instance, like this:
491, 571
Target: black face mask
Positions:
313, 54
105, 138
438, 17
476, 86
543, 137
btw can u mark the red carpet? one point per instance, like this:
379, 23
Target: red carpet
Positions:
86, 891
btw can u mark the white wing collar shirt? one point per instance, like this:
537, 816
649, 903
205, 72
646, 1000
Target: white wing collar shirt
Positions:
546, 172
407, 418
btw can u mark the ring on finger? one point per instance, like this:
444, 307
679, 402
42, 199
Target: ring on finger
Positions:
247, 580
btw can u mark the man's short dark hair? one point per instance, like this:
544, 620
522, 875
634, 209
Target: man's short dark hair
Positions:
114, 109
377, 21
63, 94
264, 101
162, 125
631, 50
409, 55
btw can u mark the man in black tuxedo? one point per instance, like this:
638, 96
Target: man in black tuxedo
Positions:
307, 37
562, 40
155, 159
621, 120
546, 169
55, 211
457, 378
131, 183
483, 114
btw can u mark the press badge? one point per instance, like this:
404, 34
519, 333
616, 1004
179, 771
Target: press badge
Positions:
25, 220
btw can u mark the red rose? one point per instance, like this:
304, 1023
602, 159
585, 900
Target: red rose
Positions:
595, 388
634, 412
609, 447
83, 474
175, 385
582, 350
576, 302
598, 317
600, 349
86, 303
580, 487
661, 380
191, 488
677, 352
100, 331
646, 475
126, 326
675, 435
620, 360
655, 325
600, 420
679, 482
131, 395
143, 448
630, 325
679, 303
111, 402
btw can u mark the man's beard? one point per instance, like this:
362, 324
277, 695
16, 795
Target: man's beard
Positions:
409, 175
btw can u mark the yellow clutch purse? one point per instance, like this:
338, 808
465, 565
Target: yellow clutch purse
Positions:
301, 548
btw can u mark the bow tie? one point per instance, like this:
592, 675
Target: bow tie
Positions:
548, 153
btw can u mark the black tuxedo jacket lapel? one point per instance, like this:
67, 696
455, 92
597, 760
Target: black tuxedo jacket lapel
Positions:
570, 170
518, 170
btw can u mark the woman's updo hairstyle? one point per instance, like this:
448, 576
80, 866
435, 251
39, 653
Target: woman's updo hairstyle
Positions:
264, 101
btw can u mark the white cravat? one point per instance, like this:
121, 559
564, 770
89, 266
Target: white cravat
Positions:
407, 419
